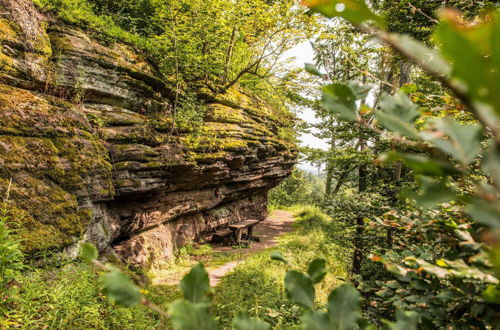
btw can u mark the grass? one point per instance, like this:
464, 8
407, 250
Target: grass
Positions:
81, 13
68, 296
257, 284
188, 256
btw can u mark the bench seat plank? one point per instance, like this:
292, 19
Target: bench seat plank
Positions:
244, 224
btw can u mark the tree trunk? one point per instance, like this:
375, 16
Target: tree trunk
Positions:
229, 55
357, 259
329, 175
329, 180
404, 78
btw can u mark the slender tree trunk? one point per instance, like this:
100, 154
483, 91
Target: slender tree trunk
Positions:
404, 78
340, 182
404, 73
229, 56
329, 180
343, 176
357, 259
329, 174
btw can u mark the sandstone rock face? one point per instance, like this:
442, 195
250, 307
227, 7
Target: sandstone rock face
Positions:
86, 136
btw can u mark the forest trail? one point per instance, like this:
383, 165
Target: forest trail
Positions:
276, 225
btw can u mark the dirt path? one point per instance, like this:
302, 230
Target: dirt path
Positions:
276, 225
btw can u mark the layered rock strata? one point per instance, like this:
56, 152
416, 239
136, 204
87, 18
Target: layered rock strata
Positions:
87, 140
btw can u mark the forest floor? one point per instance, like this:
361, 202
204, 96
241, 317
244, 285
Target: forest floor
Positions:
221, 260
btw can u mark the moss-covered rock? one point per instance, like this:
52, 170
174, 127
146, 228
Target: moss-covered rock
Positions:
87, 136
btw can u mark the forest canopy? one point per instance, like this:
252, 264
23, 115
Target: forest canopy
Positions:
197, 43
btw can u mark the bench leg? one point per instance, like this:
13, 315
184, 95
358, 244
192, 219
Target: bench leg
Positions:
238, 236
250, 233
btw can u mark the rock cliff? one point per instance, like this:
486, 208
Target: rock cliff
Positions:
88, 151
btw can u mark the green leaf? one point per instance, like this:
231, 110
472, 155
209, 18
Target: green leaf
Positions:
433, 269
425, 55
119, 288
196, 285
355, 11
312, 69
316, 321
492, 294
491, 165
399, 106
469, 66
495, 259
397, 114
359, 90
88, 253
340, 100
299, 289
464, 143
408, 89
433, 193
244, 322
396, 125
188, 316
278, 256
344, 307
317, 270
423, 165
396, 269
485, 213
405, 320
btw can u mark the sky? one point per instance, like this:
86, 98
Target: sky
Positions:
303, 53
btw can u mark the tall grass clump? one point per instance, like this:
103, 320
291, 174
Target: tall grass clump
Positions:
11, 256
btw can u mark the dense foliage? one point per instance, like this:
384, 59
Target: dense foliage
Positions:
300, 188
11, 257
198, 44
410, 137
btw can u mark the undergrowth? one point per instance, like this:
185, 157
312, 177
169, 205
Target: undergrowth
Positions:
257, 284
67, 297
62, 295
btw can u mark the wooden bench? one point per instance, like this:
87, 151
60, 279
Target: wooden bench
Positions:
235, 231
219, 236
240, 226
